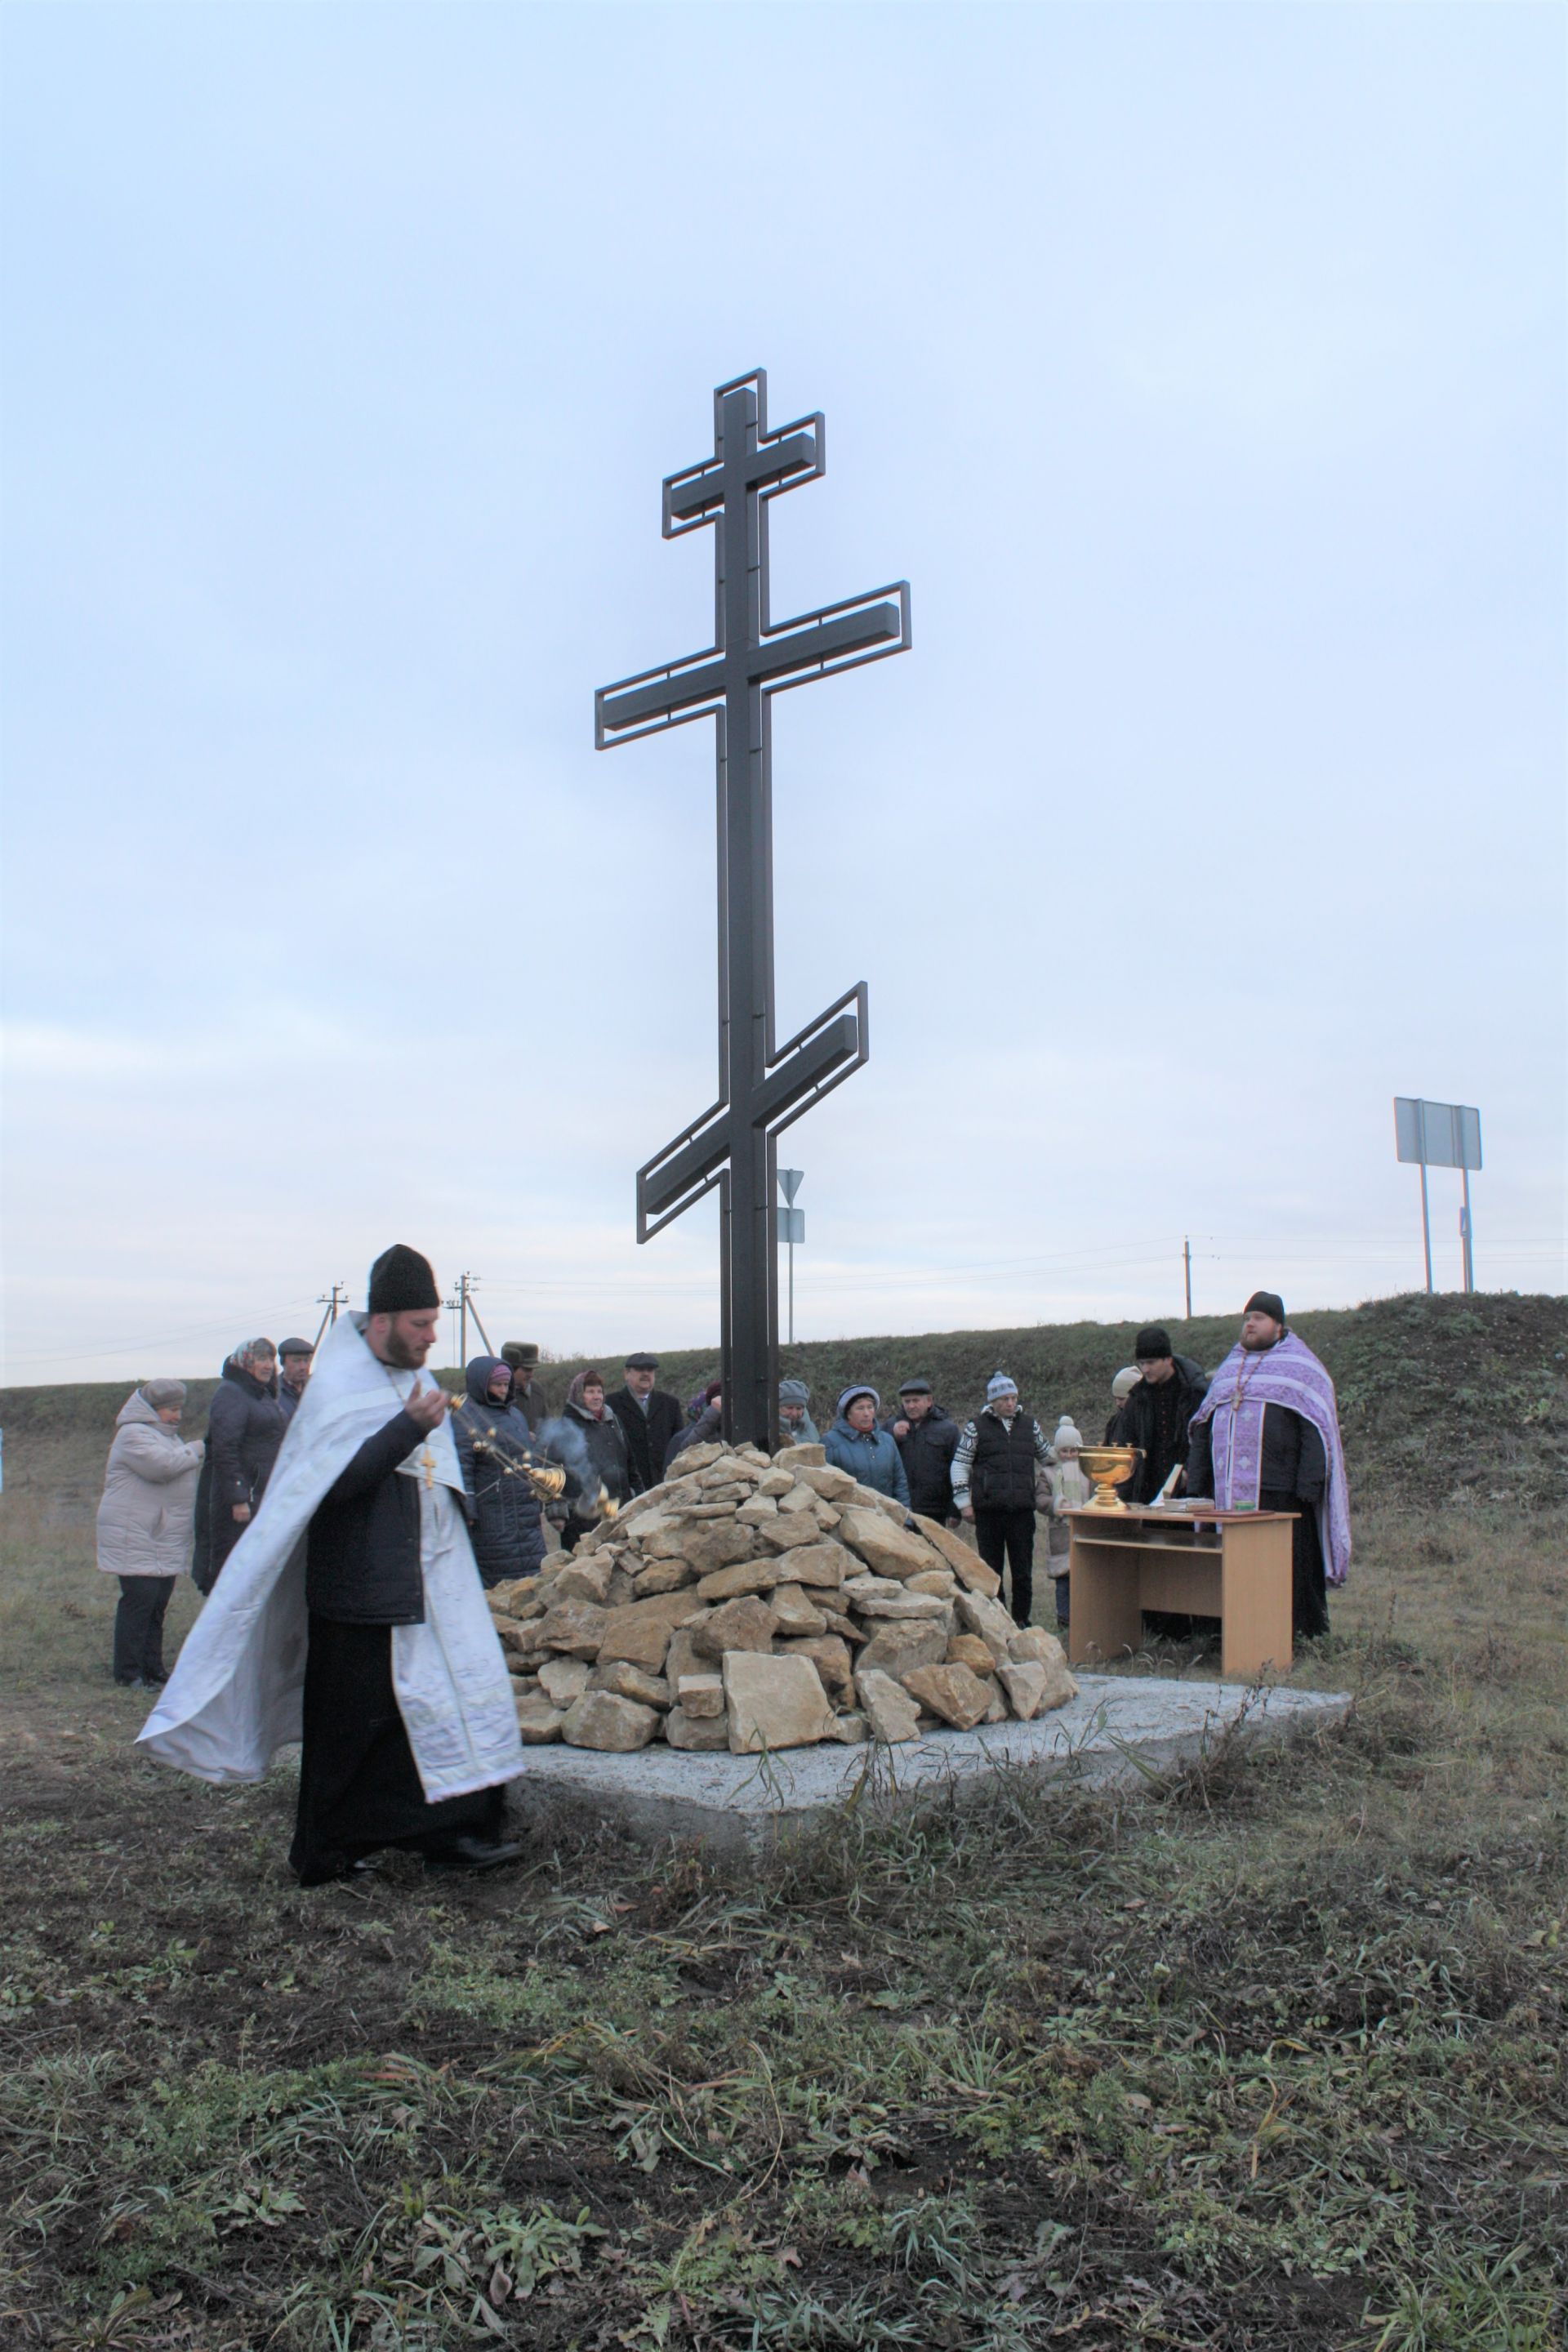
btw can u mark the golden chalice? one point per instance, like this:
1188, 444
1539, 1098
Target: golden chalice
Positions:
1109, 1466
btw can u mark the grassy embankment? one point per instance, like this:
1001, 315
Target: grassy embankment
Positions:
1268, 2055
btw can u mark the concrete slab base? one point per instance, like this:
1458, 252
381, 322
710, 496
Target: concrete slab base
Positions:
1115, 1728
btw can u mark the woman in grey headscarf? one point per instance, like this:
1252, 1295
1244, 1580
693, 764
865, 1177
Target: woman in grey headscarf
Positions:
144, 1523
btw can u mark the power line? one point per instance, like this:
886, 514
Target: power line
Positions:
168, 1339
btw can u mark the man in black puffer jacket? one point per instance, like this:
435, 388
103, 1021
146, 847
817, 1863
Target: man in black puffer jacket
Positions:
491, 1438
928, 1439
1157, 1411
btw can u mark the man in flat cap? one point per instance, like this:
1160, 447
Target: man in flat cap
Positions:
523, 1355
650, 1418
1266, 1438
351, 1613
927, 1437
293, 1371
1169, 1390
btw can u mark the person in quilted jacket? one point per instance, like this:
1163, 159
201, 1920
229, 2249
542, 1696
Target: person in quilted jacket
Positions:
144, 1523
493, 1436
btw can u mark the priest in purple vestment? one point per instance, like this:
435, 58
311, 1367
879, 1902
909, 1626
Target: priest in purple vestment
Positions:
1266, 1438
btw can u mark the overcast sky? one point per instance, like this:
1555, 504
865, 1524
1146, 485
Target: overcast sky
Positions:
1201, 368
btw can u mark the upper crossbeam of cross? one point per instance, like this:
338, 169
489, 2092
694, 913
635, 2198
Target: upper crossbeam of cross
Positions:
764, 1088
749, 465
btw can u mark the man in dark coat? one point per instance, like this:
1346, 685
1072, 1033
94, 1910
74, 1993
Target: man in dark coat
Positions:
293, 1371
493, 1440
651, 1419
1155, 1416
358, 1784
928, 1439
527, 1397
245, 1429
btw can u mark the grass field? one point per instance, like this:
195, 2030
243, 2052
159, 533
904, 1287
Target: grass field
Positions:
1268, 2054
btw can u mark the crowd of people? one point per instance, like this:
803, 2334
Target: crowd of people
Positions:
393, 1494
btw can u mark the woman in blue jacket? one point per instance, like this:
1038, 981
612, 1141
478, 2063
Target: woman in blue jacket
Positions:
855, 1443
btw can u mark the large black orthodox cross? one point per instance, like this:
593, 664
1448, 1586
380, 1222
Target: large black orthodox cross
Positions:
764, 1088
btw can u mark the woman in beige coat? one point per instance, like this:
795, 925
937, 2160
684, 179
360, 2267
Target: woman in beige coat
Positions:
144, 1523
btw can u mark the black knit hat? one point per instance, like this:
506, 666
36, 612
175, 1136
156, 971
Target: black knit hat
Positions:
401, 1282
1151, 1344
1266, 1302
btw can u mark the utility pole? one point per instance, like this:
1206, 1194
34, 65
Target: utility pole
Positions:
331, 1301
1188, 1270
463, 1307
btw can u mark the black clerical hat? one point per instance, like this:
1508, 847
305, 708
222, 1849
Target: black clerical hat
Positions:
401, 1282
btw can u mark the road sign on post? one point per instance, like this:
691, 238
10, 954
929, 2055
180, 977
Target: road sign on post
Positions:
762, 1087
791, 1225
1440, 1135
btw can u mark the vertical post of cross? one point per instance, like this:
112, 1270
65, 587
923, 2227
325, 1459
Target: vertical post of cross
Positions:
764, 1087
745, 932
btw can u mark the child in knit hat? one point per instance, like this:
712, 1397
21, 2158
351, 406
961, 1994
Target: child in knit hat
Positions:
1070, 1490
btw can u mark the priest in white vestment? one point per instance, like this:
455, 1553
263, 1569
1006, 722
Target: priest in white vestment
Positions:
351, 1616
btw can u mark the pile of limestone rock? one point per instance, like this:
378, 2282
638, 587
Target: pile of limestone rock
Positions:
749, 1604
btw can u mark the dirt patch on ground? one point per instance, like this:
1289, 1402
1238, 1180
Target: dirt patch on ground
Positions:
1269, 2057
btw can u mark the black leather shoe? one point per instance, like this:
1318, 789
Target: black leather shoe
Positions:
471, 1854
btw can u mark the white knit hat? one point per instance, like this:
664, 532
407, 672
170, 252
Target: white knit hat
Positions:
1067, 1435
999, 1385
859, 1388
1122, 1386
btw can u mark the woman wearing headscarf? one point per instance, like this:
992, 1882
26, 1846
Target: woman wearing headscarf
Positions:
601, 1461
144, 1523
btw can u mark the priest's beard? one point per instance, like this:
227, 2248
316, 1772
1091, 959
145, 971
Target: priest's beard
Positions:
401, 1354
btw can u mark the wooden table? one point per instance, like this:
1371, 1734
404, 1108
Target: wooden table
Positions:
1233, 1565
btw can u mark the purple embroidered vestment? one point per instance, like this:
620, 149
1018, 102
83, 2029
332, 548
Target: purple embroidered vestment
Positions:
1287, 1374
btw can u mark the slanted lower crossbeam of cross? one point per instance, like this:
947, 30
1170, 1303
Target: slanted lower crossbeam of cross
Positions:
762, 1087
